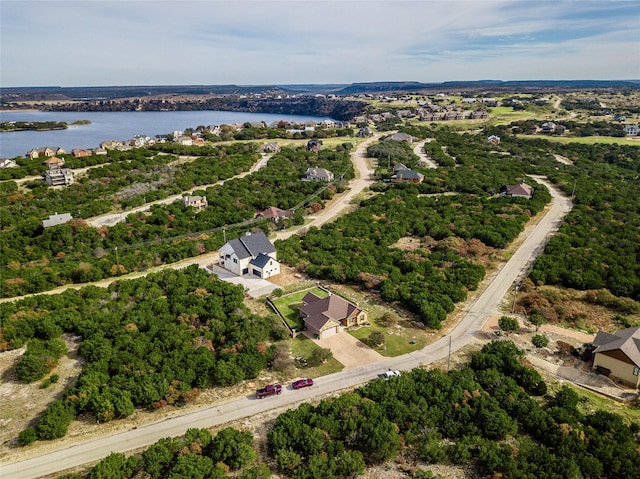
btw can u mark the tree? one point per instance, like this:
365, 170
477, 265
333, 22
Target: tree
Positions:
537, 320
319, 356
377, 338
508, 324
27, 436
233, 448
540, 341
114, 466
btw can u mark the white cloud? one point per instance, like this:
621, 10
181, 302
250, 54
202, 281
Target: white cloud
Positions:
256, 42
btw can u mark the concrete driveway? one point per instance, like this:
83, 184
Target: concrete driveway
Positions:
254, 286
351, 352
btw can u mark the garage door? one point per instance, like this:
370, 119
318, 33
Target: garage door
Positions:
329, 332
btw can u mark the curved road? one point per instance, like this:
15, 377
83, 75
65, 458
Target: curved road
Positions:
465, 331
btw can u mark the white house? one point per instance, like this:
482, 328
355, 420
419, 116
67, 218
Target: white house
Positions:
252, 254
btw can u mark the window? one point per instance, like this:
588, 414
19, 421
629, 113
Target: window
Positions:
235, 260
635, 370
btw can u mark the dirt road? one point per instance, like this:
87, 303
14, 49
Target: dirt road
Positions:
364, 178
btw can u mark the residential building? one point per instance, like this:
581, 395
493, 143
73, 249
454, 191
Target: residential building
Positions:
56, 219
197, 202
631, 130
58, 177
251, 254
324, 317
7, 163
317, 174
521, 191
275, 214
493, 139
617, 355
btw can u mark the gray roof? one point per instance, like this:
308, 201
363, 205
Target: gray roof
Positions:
625, 340
57, 219
261, 260
251, 245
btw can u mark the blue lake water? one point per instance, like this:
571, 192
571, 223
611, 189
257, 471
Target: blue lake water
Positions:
118, 126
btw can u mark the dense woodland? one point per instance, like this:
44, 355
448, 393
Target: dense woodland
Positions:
147, 342
494, 417
36, 259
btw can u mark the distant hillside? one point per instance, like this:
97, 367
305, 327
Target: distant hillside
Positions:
53, 93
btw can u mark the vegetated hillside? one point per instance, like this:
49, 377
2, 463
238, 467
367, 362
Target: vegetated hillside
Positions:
301, 105
494, 418
598, 245
147, 342
35, 259
360, 248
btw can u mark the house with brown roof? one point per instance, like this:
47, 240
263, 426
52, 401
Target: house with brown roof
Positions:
275, 214
324, 317
54, 162
617, 355
45, 152
522, 190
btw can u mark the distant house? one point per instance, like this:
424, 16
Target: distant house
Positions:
197, 202
275, 214
402, 137
364, 132
79, 152
54, 162
313, 144
271, 147
493, 139
520, 191
617, 355
7, 163
56, 219
45, 152
324, 317
402, 174
58, 177
251, 254
317, 174
631, 130
99, 151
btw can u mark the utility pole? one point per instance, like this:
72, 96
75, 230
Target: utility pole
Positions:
515, 294
573, 193
117, 259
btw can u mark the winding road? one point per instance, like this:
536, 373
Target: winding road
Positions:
467, 330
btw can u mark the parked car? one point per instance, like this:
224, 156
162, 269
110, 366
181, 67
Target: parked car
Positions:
269, 390
389, 374
302, 383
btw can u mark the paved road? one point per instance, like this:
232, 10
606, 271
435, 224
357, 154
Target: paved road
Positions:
464, 332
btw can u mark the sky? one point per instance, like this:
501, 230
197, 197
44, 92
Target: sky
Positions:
264, 42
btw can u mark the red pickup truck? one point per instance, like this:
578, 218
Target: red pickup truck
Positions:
269, 390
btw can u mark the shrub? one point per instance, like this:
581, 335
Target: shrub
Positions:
27, 436
540, 341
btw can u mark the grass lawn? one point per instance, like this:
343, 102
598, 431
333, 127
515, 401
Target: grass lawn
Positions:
302, 347
396, 343
288, 306
587, 140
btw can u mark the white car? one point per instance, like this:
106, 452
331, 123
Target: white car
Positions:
388, 374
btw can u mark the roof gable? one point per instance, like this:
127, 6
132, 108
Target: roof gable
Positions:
626, 340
